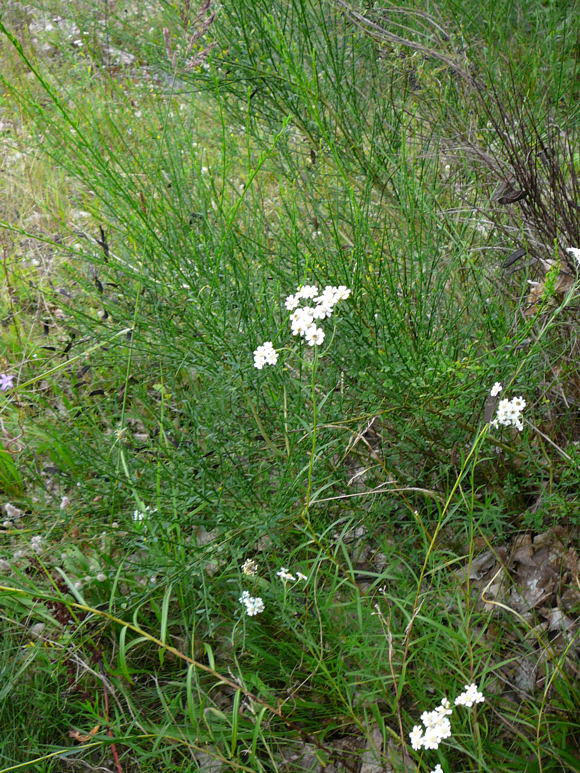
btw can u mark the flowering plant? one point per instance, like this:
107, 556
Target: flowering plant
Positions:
303, 318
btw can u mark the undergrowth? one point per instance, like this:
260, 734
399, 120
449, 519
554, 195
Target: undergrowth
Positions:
173, 173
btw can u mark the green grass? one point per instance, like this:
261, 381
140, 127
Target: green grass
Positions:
306, 152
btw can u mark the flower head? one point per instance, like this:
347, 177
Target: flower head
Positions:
314, 336
292, 302
265, 355
284, 574
416, 737
307, 291
6, 381
436, 727
36, 544
509, 413
249, 567
496, 389
254, 605
470, 696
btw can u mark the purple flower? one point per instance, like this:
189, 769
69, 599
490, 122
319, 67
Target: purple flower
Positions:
6, 381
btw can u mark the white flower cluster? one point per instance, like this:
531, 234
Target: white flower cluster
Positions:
254, 605
36, 544
496, 389
509, 413
140, 515
436, 724
470, 696
285, 575
250, 567
303, 319
265, 355
437, 769
437, 727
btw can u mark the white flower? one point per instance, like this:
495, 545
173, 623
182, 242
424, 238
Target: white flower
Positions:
249, 567
509, 413
292, 302
301, 320
341, 293
265, 355
36, 544
416, 738
254, 605
437, 769
304, 314
12, 512
322, 310
307, 291
574, 252
301, 576
314, 336
284, 574
327, 296
496, 389
436, 733
101, 577
437, 727
470, 696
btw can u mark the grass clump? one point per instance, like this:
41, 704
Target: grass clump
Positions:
209, 565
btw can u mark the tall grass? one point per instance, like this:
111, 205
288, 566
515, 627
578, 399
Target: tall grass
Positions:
223, 162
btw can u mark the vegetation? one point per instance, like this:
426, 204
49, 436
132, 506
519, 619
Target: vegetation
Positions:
208, 565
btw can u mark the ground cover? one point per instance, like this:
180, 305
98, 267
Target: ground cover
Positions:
217, 556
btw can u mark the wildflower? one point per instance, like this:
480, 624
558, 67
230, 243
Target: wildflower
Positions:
139, 515
470, 696
436, 733
322, 311
101, 577
284, 574
509, 413
301, 321
300, 576
332, 295
254, 605
437, 769
36, 544
12, 512
249, 567
496, 389
314, 336
342, 293
292, 301
64, 503
265, 355
437, 727
308, 291
6, 381
416, 738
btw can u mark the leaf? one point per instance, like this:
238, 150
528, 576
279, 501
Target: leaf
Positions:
80, 738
